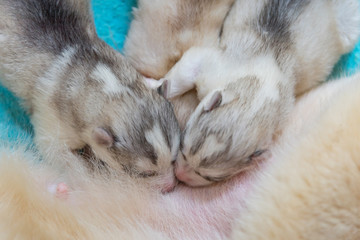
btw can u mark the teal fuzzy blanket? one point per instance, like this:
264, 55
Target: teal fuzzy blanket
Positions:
112, 19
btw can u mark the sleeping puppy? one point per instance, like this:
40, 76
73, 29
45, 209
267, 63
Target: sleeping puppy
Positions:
268, 53
163, 30
82, 93
307, 190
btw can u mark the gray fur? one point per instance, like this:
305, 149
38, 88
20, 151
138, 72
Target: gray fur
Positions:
55, 42
222, 25
51, 25
267, 39
257, 128
274, 22
289, 45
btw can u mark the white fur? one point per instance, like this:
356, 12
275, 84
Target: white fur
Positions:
316, 44
348, 30
71, 86
155, 137
152, 83
48, 81
308, 190
314, 172
238, 44
2, 37
104, 75
51, 128
163, 30
214, 145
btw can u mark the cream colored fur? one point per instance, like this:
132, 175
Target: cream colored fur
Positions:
29, 211
311, 189
265, 57
155, 54
178, 25
308, 190
80, 92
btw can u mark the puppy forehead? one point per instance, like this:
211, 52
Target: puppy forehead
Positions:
166, 145
217, 172
111, 84
205, 150
156, 137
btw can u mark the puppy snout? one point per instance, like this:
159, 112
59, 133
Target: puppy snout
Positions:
181, 173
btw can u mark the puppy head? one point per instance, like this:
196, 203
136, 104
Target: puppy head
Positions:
128, 125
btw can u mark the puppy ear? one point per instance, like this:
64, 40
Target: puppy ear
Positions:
103, 137
163, 89
162, 85
218, 98
213, 102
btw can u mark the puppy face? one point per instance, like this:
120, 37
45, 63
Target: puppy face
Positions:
129, 126
224, 136
144, 144
241, 108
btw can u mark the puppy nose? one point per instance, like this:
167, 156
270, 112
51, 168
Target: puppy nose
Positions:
181, 174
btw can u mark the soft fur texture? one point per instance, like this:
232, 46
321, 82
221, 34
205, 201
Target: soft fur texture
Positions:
308, 190
29, 211
282, 208
80, 92
311, 189
266, 53
178, 26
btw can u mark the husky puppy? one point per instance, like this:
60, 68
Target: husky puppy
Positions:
163, 30
82, 93
268, 44
269, 52
316, 197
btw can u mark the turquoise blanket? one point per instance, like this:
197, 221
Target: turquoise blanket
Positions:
112, 19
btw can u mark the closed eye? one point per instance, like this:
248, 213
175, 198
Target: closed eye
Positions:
212, 179
255, 155
148, 174
184, 157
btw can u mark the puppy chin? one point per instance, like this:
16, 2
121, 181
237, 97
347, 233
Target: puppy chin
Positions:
164, 183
